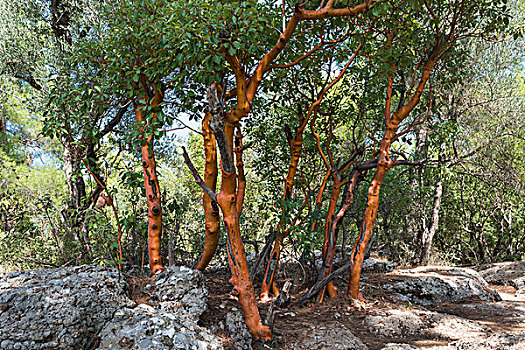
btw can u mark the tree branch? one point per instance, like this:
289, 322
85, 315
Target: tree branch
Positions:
199, 180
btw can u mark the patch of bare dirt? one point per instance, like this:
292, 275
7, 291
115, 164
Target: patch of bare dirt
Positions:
140, 289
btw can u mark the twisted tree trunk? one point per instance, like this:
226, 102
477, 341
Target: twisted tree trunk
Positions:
384, 163
296, 148
230, 200
332, 229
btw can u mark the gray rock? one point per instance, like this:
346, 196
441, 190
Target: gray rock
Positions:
331, 337
505, 274
395, 323
181, 291
61, 308
431, 284
238, 331
372, 265
85, 306
507, 341
179, 298
144, 327
454, 327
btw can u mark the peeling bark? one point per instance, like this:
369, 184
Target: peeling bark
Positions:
153, 195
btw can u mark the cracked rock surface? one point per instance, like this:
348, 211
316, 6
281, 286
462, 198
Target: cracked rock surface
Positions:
61, 308
433, 284
179, 298
505, 274
88, 307
238, 331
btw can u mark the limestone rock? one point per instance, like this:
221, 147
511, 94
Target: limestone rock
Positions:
88, 306
238, 331
431, 284
375, 266
505, 274
179, 298
395, 323
454, 327
331, 337
61, 308
145, 328
496, 342
181, 291
396, 346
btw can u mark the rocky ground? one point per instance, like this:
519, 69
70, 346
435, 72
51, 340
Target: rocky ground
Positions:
438, 308
92, 307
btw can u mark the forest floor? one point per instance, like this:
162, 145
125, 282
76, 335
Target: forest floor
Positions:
294, 323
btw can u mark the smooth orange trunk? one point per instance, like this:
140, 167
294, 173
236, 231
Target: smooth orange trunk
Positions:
329, 244
211, 214
151, 184
242, 285
384, 163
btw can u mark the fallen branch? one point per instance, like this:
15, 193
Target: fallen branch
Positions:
319, 285
277, 303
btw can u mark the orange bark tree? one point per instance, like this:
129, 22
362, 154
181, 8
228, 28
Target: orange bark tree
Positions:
433, 32
191, 52
232, 48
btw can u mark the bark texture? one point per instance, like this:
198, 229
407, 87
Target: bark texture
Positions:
211, 212
223, 127
296, 148
428, 234
153, 194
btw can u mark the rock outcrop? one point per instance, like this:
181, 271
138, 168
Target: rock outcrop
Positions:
88, 307
178, 299
336, 337
372, 265
58, 308
394, 323
432, 284
505, 274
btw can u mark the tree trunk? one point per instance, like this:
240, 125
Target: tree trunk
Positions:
384, 163
229, 201
296, 148
211, 213
242, 285
416, 221
370, 216
333, 223
153, 196
428, 235
330, 239
75, 181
